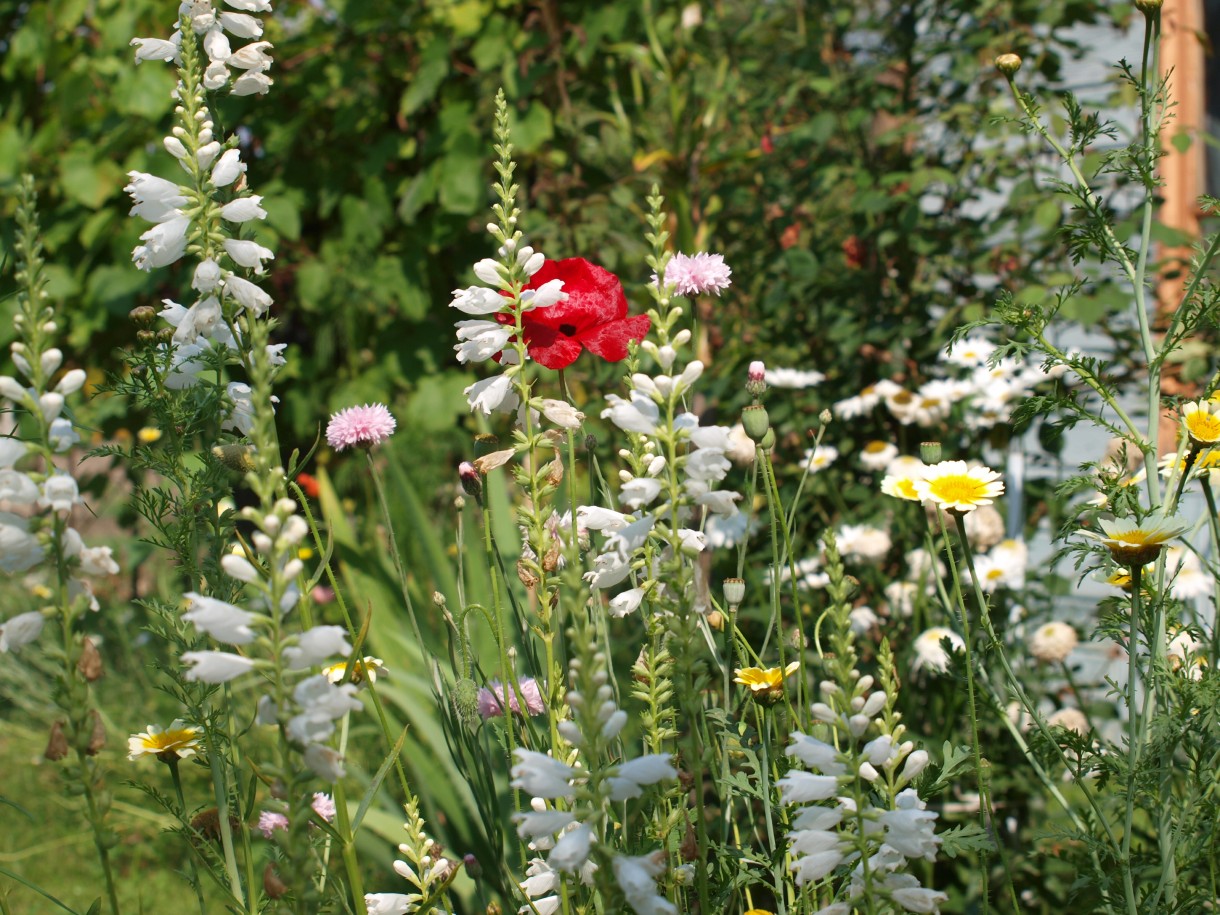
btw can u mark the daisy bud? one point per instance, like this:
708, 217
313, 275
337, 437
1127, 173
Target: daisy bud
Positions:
1009, 64
756, 422
734, 592
469, 478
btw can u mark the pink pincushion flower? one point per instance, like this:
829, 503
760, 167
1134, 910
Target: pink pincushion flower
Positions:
491, 701
269, 822
364, 426
324, 806
697, 274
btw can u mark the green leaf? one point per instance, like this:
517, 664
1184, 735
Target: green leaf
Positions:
41, 892
433, 68
375, 784
86, 180
969, 839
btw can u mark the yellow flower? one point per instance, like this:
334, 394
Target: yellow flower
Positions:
766, 684
759, 912
901, 477
1135, 544
149, 434
1201, 420
175, 742
366, 666
955, 486
305, 553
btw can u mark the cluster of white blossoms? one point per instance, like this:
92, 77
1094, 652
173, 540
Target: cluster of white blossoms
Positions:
483, 337
37, 503
830, 831
317, 702
569, 835
699, 457
212, 27
989, 392
204, 214
422, 865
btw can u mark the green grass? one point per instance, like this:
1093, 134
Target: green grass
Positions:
46, 840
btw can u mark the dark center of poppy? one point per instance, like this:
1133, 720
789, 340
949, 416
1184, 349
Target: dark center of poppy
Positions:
567, 329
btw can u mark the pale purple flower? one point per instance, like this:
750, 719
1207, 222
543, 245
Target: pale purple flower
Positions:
324, 806
364, 426
269, 822
491, 701
697, 274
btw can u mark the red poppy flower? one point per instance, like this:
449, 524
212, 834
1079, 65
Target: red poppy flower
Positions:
594, 316
309, 485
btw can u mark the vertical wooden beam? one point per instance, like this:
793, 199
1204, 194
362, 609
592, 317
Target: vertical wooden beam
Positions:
1182, 61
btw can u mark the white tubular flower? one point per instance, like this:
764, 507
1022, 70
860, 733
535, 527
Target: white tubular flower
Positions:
648, 769
163, 244
548, 294
241, 25
216, 666
19, 631
11, 450
910, 827
223, 622
562, 413
206, 277
216, 75
637, 879
640, 492
692, 541
50, 403
59, 493
19, 550
324, 762
626, 603
98, 560
492, 394
639, 414
154, 199
155, 49
481, 340
596, 518
478, 300
216, 45
252, 57
243, 209
316, 645
722, 502
17, 488
250, 6
541, 776
388, 903
248, 253
815, 754
227, 168
247, 295
572, 849
239, 567
802, 787
252, 83
490, 272
242, 416
535, 824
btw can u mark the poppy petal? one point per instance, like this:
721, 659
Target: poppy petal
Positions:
610, 340
549, 348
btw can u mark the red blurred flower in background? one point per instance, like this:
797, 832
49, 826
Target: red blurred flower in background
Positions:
594, 317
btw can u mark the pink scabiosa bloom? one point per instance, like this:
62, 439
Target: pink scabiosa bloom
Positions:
491, 700
324, 806
363, 426
697, 274
269, 822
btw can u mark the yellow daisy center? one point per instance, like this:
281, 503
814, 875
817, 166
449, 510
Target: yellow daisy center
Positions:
995, 574
906, 488
169, 740
875, 447
1204, 427
1138, 537
957, 489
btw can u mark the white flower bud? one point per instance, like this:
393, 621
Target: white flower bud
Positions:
51, 360
240, 568
72, 382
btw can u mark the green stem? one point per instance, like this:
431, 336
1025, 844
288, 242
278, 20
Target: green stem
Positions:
191, 871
